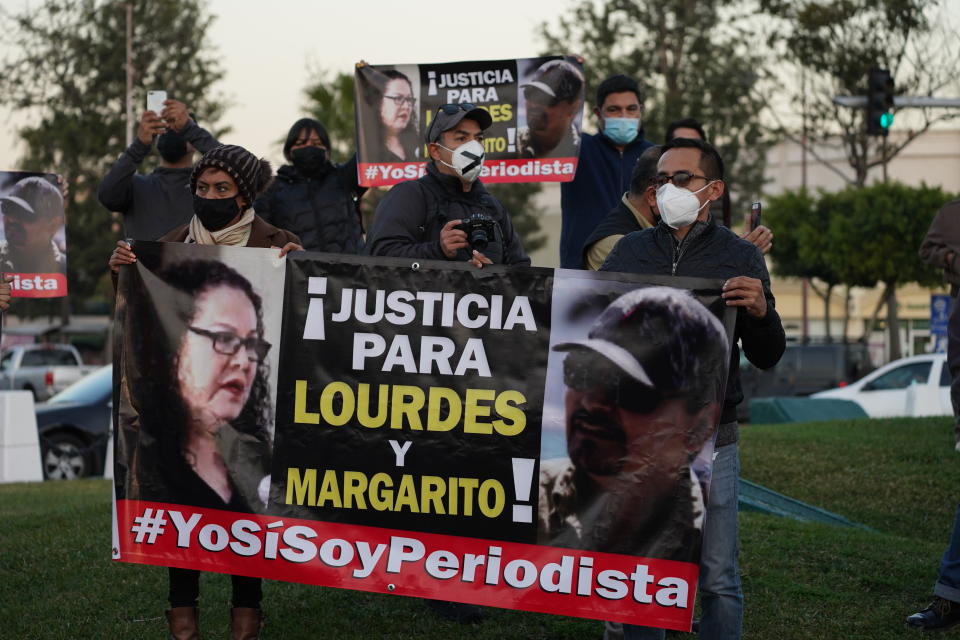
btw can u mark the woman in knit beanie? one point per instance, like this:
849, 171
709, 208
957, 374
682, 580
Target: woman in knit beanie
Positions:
225, 183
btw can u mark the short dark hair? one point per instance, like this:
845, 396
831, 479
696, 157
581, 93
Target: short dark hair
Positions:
645, 171
710, 161
617, 84
685, 123
301, 125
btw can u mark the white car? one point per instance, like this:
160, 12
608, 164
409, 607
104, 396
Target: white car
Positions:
914, 386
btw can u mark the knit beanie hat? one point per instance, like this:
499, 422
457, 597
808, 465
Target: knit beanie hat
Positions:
252, 175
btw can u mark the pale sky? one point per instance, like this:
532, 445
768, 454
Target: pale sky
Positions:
268, 49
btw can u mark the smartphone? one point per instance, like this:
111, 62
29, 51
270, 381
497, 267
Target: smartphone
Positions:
155, 100
754, 220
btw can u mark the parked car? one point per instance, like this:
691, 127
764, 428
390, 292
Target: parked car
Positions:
914, 386
42, 369
803, 369
74, 427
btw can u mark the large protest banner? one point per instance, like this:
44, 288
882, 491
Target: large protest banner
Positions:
33, 241
525, 438
536, 105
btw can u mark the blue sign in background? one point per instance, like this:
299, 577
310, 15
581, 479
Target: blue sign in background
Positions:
939, 313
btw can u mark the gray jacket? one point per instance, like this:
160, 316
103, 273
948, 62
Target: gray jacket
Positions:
942, 238
155, 203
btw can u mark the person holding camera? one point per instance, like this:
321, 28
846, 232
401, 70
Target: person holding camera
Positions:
448, 214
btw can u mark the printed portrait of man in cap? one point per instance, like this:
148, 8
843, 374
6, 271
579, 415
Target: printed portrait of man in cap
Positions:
643, 396
553, 100
32, 213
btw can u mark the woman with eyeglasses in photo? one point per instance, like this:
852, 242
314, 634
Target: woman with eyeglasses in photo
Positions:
392, 101
200, 432
201, 384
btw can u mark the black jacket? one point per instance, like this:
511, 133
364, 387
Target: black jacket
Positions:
152, 204
322, 211
409, 219
710, 251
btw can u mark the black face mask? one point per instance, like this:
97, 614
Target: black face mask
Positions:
310, 161
215, 213
171, 146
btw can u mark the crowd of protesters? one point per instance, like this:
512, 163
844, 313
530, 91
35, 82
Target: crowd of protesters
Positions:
632, 207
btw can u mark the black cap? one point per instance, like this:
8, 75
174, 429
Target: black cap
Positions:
443, 121
34, 197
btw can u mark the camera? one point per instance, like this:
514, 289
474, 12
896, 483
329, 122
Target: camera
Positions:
479, 228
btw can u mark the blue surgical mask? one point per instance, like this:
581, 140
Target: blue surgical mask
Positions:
621, 130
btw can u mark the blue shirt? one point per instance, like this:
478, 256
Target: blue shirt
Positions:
603, 175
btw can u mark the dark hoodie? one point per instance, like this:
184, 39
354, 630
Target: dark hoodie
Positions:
321, 209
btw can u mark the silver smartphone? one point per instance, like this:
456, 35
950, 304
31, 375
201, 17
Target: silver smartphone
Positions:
155, 100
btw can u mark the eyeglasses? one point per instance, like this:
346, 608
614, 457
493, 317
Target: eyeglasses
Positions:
680, 179
589, 371
227, 343
401, 100
451, 109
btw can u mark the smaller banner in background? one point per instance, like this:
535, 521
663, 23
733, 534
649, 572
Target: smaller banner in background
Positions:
536, 105
33, 238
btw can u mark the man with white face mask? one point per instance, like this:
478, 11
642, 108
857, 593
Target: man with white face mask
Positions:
448, 214
688, 242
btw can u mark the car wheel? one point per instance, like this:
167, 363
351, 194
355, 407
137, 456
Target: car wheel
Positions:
63, 457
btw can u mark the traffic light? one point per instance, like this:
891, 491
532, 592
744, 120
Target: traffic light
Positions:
879, 102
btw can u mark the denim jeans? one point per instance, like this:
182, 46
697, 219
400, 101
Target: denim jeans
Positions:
953, 363
948, 580
721, 596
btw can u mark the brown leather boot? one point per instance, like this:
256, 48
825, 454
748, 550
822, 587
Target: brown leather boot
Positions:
184, 623
245, 623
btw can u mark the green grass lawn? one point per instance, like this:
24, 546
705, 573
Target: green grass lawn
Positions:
801, 580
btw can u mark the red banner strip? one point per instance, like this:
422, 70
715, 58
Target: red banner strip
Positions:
381, 174
510, 575
38, 285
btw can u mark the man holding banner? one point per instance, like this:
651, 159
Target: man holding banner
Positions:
688, 242
448, 214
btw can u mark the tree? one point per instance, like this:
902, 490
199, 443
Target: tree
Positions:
691, 59
330, 101
827, 48
857, 237
882, 227
69, 72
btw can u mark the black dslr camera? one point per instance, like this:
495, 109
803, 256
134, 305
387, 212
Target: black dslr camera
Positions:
479, 228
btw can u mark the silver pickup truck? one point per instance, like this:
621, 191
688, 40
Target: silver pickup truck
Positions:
43, 369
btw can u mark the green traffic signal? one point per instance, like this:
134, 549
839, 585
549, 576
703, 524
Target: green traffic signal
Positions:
886, 119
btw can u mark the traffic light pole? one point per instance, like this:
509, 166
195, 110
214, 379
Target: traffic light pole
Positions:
900, 101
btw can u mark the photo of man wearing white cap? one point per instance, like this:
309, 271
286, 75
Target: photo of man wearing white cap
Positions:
552, 110
32, 212
643, 396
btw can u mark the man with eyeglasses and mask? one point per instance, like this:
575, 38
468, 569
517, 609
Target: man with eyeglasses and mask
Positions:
643, 397
154, 204
689, 242
448, 214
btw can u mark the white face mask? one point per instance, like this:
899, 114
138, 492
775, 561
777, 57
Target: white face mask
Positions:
467, 159
678, 207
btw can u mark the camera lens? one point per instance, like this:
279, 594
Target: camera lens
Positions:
479, 240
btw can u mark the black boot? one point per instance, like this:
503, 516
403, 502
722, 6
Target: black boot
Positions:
942, 614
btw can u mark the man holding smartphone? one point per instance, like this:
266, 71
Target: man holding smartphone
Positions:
154, 204
689, 242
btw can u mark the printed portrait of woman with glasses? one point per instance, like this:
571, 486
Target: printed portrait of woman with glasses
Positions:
202, 394
389, 118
